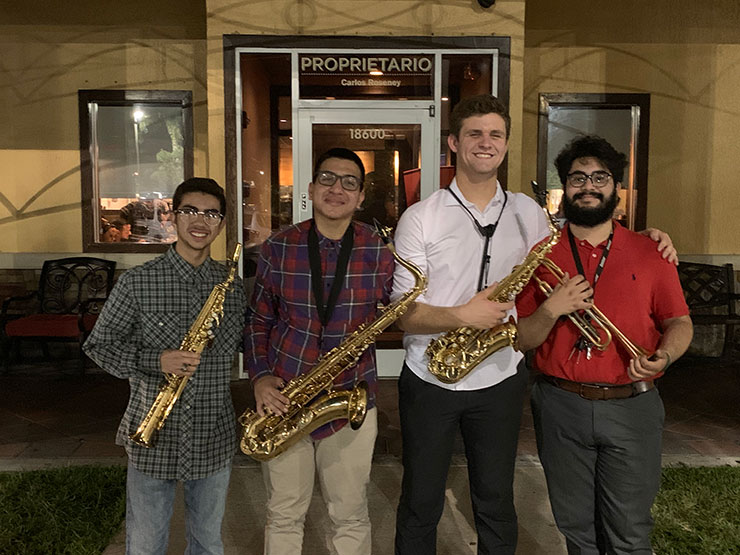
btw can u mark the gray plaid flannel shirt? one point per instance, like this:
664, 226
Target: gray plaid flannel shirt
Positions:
149, 310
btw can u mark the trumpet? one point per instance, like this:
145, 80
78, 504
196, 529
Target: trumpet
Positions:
592, 320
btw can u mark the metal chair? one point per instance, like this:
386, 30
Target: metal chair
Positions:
64, 308
710, 293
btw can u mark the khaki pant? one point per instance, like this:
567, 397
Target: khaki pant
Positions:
342, 462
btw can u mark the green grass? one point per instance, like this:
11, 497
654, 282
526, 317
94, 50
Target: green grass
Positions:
697, 511
77, 510
72, 510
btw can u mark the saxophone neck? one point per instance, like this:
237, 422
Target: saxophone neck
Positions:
385, 234
233, 263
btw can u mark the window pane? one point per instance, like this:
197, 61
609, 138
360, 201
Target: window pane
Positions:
136, 148
463, 75
391, 154
567, 123
267, 147
139, 165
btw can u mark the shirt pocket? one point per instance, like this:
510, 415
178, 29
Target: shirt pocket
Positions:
229, 334
163, 330
363, 296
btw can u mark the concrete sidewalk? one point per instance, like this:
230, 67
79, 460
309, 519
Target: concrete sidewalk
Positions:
245, 510
245, 513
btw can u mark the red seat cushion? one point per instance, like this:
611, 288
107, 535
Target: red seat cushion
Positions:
49, 325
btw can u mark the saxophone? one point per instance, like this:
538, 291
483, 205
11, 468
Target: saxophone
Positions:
265, 437
455, 353
198, 336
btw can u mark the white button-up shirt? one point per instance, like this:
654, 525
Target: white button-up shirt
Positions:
440, 237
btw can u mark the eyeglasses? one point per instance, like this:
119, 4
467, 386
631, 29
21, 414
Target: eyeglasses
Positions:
578, 179
211, 217
327, 178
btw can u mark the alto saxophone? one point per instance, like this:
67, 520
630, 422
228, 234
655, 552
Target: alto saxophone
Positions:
265, 437
198, 336
455, 353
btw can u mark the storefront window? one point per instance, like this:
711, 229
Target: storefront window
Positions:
136, 147
266, 147
463, 75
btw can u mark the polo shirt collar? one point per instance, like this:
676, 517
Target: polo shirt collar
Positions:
620, 237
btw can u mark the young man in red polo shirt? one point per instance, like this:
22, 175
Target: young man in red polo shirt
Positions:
598, 417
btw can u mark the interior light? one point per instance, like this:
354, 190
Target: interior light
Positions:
376, 72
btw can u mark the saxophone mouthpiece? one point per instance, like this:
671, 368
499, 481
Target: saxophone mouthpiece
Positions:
383, 231
540, 195
236, 255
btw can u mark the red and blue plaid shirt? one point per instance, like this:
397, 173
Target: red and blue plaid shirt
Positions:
284, 336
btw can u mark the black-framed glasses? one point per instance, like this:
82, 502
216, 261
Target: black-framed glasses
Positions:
211, 217
598, 178
348, 182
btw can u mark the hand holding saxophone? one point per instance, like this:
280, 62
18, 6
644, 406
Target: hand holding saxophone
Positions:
179, 363
268, 396
482, 313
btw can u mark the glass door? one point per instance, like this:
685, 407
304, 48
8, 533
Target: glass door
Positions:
395, 146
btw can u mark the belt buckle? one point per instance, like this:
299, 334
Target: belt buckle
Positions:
592, 387
640, 387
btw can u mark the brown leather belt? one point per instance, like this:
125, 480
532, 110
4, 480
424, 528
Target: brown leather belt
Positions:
597, 392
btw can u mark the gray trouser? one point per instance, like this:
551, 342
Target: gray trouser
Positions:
602, 464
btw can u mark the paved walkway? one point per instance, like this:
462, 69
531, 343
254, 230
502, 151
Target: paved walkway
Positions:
50, 418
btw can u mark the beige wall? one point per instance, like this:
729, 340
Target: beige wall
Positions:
46, 55
666, 49
366, 18
686, 57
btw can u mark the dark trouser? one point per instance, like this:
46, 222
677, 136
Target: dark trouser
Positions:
602, 464
489, 420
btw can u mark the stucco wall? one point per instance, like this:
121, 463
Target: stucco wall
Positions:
366, 18
47, 53
671, 50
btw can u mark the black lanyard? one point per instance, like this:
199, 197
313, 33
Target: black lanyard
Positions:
317, 280
582, 343
602, 262
487, 232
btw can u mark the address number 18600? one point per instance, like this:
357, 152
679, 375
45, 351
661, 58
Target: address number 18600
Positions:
366, 133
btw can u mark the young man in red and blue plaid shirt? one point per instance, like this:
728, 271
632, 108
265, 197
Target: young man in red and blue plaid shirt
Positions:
316, 282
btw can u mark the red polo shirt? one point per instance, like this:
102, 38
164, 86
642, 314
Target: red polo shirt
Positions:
637, 290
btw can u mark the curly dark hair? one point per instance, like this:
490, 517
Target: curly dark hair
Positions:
478, 105
591, 146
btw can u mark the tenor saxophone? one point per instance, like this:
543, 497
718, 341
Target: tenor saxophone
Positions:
455, 353
198, 336
265, 437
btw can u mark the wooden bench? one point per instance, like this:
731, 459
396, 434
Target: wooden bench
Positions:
710, 293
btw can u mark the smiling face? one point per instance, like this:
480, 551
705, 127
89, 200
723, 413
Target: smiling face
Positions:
194, 235
481, 146
332, 204
589, 206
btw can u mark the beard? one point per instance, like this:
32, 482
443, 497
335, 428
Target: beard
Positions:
590, 217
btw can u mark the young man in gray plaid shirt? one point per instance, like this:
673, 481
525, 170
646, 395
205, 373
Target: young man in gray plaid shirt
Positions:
137, 336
